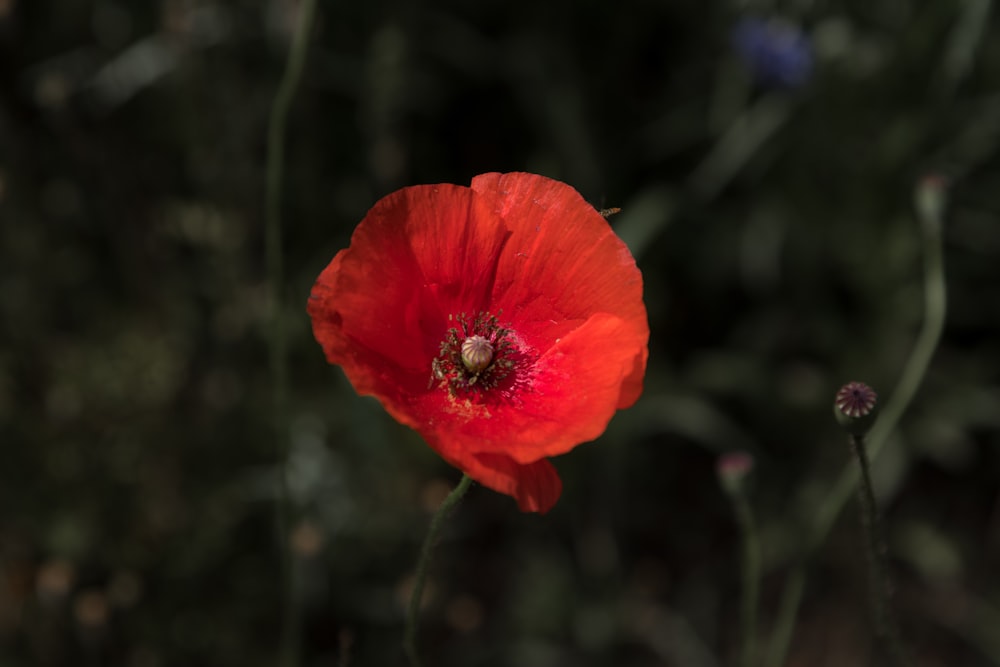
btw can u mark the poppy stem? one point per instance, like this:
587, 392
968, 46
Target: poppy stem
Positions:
880, 588
412, 614
733, 470
931, 217
751, 577
277, 343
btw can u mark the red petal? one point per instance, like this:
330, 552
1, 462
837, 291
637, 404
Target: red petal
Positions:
574, 391
525, 248
536, 486
562, 262
632, 384
380, 308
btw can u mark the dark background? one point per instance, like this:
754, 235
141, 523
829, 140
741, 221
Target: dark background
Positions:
775, 231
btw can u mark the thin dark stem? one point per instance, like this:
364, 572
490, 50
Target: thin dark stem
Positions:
751, 578
278, 345
787, 612
880, 587
935, 309
413, 613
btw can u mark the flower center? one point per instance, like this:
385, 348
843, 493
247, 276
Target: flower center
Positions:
475, 355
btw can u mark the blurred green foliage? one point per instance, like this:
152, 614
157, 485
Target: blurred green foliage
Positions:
138, 480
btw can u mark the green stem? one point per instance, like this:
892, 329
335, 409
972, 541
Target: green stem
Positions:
935, 307
751, 577
278, 345
880, 588
787, 613
413, 613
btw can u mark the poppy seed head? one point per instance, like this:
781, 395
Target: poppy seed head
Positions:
474, 356
477, 353
856, 406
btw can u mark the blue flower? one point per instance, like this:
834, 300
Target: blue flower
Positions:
777, 53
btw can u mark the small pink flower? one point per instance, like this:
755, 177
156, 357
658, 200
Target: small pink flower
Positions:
732, 469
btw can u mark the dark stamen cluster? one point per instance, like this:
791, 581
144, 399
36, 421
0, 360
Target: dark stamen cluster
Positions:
451, 373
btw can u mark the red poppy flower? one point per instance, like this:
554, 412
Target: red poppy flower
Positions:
504, 322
